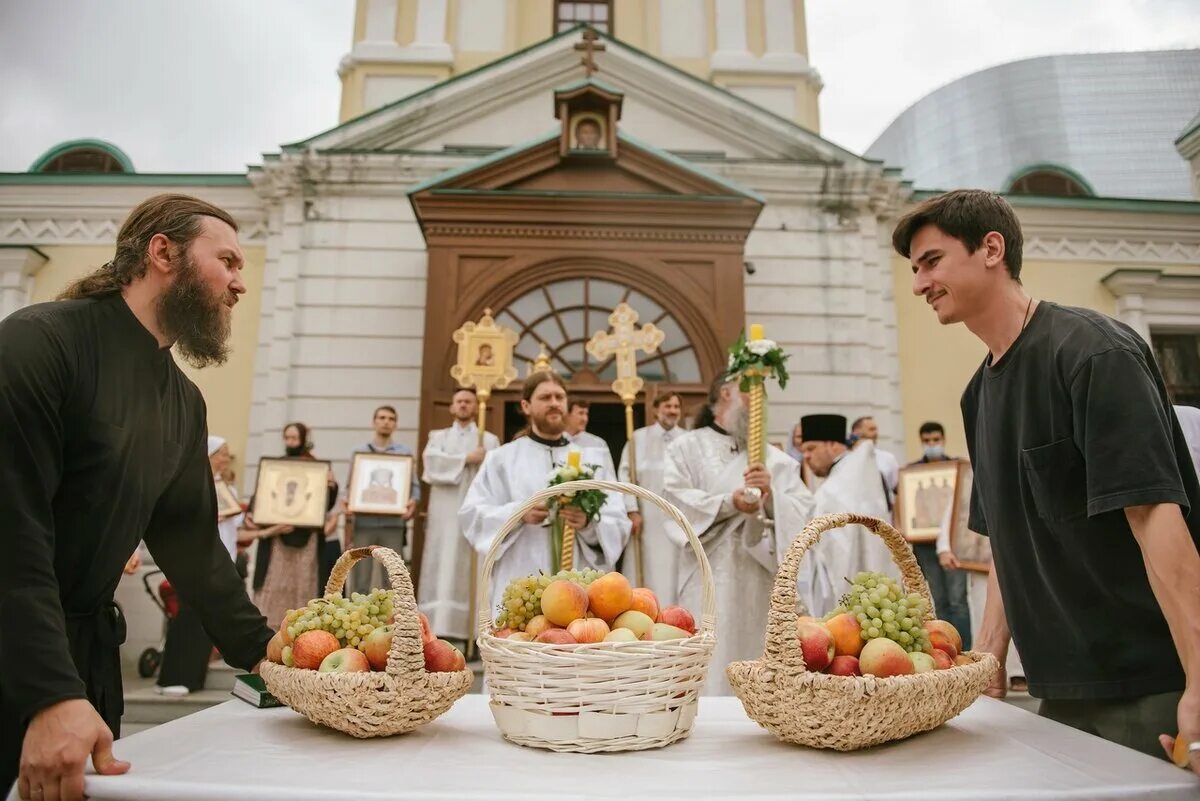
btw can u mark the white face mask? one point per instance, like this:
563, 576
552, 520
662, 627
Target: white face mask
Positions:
935, 451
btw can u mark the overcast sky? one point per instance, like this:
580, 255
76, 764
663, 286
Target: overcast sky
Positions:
208, 86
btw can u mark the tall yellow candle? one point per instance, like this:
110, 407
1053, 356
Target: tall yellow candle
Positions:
573, 459
756, 331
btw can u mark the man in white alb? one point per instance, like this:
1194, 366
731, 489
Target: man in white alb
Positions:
514, 472
660, 554
744, 538
451, 459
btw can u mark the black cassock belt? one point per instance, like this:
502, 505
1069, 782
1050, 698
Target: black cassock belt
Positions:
95, 638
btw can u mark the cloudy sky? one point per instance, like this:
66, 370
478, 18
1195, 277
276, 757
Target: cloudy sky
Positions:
191, 86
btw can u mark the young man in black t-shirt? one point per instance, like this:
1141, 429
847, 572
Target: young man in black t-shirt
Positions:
1083, 481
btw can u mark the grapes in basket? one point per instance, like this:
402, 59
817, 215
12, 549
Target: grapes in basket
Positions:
335, 634
582, 606
878, 630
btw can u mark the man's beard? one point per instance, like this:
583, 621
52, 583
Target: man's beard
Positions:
549, 427
197, 320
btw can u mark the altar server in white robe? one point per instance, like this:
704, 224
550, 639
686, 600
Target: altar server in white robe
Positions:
706, 477
852, 484
660, 553
451, 459
514, 472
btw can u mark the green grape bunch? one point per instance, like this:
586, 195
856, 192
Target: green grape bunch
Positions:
351, 620
522, 600
883, 609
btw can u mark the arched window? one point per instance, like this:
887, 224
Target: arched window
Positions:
564, 315
84, 156
1049, 179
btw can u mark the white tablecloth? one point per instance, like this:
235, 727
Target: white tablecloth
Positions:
991, 751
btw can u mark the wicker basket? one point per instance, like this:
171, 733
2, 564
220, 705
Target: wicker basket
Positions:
847, 713
373, 704
596, 697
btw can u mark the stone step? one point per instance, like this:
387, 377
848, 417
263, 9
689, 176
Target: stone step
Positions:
146, 706
220, 676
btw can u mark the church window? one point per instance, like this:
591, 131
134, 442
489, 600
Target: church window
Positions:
1049, 180
563, 316
597, 13
1179, 359
83, 156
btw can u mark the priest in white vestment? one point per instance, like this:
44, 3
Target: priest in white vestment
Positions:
660, 553
706, 476
514, 472
450, 461
852, 484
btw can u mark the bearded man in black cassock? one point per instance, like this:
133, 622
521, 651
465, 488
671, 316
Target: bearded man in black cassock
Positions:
104, 444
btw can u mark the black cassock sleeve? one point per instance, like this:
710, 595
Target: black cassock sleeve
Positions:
183, 538
36, 668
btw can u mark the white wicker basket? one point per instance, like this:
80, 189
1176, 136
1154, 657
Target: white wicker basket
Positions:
596, 697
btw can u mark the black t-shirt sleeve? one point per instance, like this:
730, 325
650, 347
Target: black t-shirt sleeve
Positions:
35, 381
1123, 428
183, 539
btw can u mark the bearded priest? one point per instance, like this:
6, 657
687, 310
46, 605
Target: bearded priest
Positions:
514, 472
852, 483
706, 476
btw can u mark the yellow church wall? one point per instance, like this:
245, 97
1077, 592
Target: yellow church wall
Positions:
937, 361
756, 27
632, 19
226, 389
535, 21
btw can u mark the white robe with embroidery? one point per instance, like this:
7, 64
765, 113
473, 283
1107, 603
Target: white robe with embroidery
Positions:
853, 485
446, 556
703, 468
660, 553
510, 475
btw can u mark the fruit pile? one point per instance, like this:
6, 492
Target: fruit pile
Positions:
351, 635
586, 606
880, 631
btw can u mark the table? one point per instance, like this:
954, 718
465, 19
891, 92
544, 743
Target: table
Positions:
991, 751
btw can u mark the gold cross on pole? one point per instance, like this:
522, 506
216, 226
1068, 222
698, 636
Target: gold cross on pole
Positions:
590, 45
624, 342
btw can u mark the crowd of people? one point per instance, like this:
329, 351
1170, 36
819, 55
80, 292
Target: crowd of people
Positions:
1091, 537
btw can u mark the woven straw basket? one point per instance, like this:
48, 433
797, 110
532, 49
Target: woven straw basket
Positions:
596, 697
373, 704
847, 713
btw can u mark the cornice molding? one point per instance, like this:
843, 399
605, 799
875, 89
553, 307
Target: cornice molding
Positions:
1123, 251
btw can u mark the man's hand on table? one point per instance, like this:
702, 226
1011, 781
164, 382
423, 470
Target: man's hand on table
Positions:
1189, 728
57, 745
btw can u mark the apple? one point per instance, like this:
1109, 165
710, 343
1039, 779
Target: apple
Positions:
426, 631
679, 617
377, 645
645, 601
563, 601
847, 634
520, 636
275, 649
442, 657
345, 660
588, 629
620, 635
556, 637
941, 659
608, 596
537, 625
940, 641
844, 665
283, 632
637, 622
922, 662
503, 633
311, 648
949, 631
287, 656
816, 644
883, 658
665, 631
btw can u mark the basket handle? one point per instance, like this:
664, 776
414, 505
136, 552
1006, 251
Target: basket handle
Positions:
708, 617
781, 647
407, 652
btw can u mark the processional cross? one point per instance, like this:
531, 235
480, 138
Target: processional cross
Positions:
623, 342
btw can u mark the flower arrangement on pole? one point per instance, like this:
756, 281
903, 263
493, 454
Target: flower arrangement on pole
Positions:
752, 360
589, 501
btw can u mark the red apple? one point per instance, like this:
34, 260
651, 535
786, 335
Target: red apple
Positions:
345, 660
426, 631
941, 659
591, 629
679, 617
816, 643
311, 648
844, 665
556, 636
442, 657
377, 645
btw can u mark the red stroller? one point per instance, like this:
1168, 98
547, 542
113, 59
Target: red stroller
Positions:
167, 602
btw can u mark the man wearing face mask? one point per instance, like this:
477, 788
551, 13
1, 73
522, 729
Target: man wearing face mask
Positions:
947, 583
